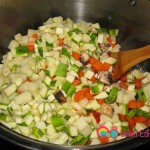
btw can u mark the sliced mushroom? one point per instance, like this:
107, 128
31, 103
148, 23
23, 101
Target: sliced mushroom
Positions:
60, 97
84, 58
105, 77
107, 110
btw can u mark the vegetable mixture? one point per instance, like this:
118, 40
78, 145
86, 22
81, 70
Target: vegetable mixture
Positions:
56, 85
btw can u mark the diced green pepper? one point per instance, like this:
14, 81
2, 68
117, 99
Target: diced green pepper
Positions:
38, 133
124, 128
3, 116
57, 121
132, 113
102, 30
75, 68
47, 72
40, 50
95, 89
77, 31
80, 140
53, 84
93, 37
113, 32
66, 85
65, 53
67, 117
112, 95
49, 45
71, 90
140, 112
21, 50
141, 95
61, 70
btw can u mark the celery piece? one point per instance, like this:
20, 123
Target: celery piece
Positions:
132, 113
49, 45
53, 84
93, 37
40, 50
14, 68
112, 95
21, 50
95, 89
24, 115
47, 72
102, 30
71, 90
66, 85
38, 133
65, 53
141, 95
61, 70
57, 121
75, 68
80, 140
3, 116
113, 32
140, 112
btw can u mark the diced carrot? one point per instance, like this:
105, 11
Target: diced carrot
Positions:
135, 104
80, 73
124, 79
79, 96
131, 122
92, 60
93, 79
101, 101
84, 93
140, 119
88, 95
106, 66
35, 35
53, 77
109, 39
96, 115
147, 123
76, 55
138, 83
104, 139
60, 41
46, 66
122, 117
123, 85
76, 81
30, 46
18, 91
28, 80
98, 66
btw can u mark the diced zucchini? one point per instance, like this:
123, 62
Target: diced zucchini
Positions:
41, 107
53, 84
132, 113
38, 133
123, 109
102, 95
23, 98
10, 90
88, 74
73, 131
113, 32
65, 53
141, 93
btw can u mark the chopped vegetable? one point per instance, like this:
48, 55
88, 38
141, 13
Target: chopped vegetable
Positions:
112, 95
60, 97
61, 70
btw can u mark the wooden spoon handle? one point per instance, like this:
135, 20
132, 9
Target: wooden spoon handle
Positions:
127, 59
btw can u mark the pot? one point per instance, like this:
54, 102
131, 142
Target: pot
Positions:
130, 16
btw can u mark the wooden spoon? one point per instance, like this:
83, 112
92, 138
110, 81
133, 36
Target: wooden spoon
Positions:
127, 59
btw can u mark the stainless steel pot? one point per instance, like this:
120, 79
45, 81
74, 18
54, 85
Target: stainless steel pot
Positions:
130, 16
